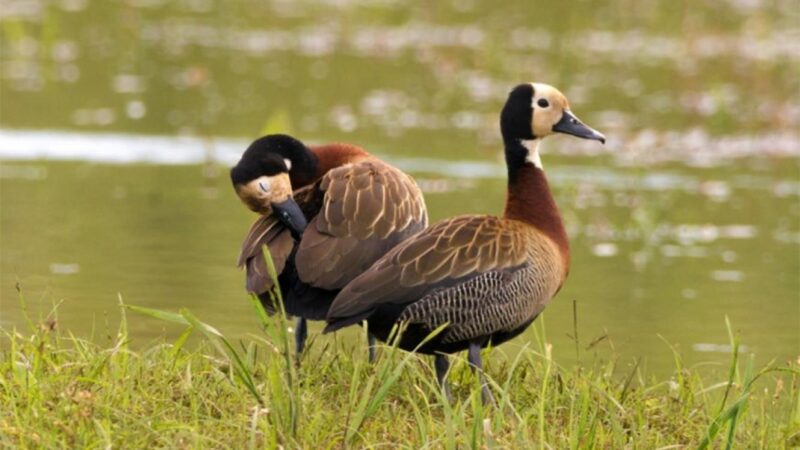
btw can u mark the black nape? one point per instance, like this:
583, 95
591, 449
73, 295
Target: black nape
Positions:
243, 173
257, 165
516, 117
266, 157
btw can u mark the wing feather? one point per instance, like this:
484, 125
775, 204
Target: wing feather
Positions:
449, 252
256, 236
268, 230
367, 209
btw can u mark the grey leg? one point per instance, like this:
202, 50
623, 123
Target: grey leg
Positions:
372, 341
474, 357
442, 365
300, 335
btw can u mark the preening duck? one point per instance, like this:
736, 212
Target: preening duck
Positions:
328, 213
486, 277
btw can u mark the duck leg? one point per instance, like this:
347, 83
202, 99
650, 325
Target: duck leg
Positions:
474, 357
442, 365
372, 341
300, 335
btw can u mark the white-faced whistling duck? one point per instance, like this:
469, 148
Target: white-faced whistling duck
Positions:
328, 213
486, 277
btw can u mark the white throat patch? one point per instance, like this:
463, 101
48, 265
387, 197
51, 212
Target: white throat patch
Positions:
533, 152
288, 163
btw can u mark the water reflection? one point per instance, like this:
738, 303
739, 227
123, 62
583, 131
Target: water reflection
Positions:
380, 69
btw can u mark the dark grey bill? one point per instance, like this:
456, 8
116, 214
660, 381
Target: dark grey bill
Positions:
570, 124
289, 214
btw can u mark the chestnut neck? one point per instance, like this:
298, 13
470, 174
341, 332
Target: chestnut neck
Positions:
529, 198
320, 159
331, 156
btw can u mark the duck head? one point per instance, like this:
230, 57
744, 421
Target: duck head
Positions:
264, 176
534, 111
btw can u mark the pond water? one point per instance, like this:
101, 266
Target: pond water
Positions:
118, 122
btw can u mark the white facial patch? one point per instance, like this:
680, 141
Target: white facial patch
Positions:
546, 104
288, 163
258, 194
533, 153
541, 90
259, 187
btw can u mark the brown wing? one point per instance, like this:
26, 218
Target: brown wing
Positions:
451, 251
368, 208
268, 230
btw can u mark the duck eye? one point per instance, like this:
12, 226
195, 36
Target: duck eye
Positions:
543, 103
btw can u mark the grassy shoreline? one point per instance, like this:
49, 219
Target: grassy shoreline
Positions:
58, 390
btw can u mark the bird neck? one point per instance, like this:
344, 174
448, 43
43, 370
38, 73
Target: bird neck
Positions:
331, 156
529, 198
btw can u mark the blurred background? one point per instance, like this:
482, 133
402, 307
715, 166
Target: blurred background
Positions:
119, 120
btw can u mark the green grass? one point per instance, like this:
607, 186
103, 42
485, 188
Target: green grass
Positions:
60, 391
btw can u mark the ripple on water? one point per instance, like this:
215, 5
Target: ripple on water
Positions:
65, 268
122, 148
20, 172
717, 348
733, 276
677, 251
605, 249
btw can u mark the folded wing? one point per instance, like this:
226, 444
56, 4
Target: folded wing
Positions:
449, 253
268, 230
367, 208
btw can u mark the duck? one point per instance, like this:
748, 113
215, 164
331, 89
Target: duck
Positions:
478, 280
327, 213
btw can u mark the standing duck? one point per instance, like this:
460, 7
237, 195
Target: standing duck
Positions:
486, 277
328, 213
